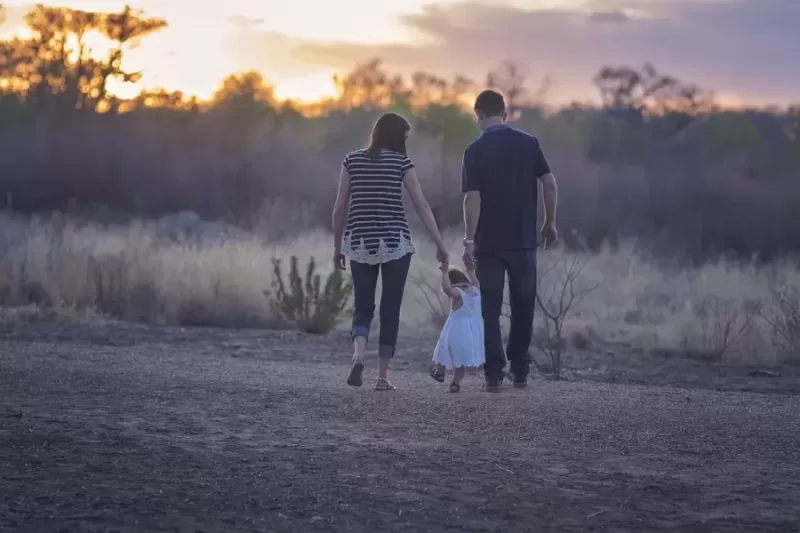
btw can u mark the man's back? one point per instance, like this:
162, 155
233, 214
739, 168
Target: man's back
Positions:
504, 165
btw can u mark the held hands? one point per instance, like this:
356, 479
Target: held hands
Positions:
469, 256
549, 234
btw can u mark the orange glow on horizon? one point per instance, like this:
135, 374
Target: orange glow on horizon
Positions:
196, 51
307, 89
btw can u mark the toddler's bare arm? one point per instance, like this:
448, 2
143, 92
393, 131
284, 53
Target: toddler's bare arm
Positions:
447, 287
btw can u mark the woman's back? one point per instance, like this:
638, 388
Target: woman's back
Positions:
377, 230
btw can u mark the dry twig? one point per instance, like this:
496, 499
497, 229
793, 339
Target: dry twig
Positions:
431, 298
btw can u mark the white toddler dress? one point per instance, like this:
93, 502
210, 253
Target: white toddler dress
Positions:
461, 341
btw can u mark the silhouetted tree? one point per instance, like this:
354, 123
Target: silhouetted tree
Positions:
509, 79
634, 93
369, 86
656, 160
644, 110
160, 99
430, 89
55, 70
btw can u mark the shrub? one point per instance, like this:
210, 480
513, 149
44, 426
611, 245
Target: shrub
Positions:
557, 297
784, 319
305, 302
725, 328
430, 297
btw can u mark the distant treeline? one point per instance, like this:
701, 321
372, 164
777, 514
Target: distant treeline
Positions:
656, 160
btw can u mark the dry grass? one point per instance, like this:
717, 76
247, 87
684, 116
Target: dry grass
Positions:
133, 272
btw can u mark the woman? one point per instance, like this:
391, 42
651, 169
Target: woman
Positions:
370, 228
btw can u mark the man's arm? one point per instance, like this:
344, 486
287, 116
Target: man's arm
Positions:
549, 196
470, 186
473, 277
472, 210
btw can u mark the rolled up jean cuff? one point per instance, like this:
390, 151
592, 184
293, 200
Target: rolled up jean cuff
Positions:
385, 351
359, 331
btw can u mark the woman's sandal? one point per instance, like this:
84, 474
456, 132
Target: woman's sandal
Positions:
383, 385
438, 376
455, 387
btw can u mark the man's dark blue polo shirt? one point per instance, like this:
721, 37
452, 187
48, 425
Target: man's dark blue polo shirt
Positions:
504, 165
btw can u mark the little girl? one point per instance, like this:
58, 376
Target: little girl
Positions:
460, 344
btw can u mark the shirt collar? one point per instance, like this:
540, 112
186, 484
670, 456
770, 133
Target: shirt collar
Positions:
497, 127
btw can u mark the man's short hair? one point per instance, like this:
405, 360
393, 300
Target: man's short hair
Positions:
490, 103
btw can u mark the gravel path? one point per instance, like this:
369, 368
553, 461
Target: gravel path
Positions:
263, 435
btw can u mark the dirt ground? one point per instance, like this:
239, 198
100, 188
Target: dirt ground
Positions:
112, 427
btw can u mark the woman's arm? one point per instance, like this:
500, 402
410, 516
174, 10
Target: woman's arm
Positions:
340, 209
422, 208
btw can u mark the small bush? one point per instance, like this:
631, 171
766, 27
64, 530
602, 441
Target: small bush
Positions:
304, 302
725, 328
784, 319
109, 279
557, 297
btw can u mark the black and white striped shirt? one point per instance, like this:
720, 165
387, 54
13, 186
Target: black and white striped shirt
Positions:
377, 230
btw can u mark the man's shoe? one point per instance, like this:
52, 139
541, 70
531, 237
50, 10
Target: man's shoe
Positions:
491, 385
518, 381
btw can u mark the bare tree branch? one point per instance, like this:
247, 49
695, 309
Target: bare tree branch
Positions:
431, 299
784, 318
725, 328
556, 299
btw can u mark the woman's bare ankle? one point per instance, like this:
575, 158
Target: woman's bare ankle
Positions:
359, 348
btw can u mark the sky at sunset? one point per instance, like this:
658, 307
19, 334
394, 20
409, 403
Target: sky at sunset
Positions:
746, 50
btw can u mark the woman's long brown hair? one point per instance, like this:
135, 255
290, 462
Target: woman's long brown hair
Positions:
389, 133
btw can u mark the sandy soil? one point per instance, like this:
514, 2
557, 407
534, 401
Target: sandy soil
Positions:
110, 427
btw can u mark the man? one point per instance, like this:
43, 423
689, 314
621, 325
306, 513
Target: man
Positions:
499, 182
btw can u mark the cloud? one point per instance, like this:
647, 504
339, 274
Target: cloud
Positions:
243, 22
273, 53
616, 16
746, 48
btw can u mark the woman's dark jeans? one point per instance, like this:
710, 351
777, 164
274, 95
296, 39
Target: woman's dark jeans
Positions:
393, 283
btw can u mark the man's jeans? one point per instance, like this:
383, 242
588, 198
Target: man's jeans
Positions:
393, 282
491, 270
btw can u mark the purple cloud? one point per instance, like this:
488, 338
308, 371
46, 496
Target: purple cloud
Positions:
746, 48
